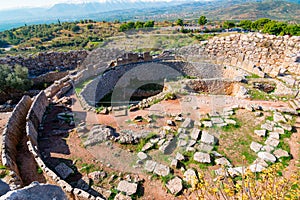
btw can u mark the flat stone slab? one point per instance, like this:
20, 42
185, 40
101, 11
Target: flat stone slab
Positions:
142, 156
223, 161
267, 126
202, 157
204, 147
207, 124
278, 117
281, 153
161, 170
274, 135
267, 156
188, 123
217, 120
150, 165
272, 142
175, 185
189, 175
279, 130
208, 138
256, 168
128, 188
261, 133
285, 126
179, 156
195, 134
63, 170
256, 147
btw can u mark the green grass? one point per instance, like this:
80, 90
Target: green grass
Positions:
253, 76
232, 127
260, 95
143, 141
39, 170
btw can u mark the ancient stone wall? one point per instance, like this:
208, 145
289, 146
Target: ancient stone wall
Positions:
47, 61
257, 53
11, 138
49, 77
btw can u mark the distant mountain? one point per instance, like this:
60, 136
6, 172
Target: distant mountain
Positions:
157, 10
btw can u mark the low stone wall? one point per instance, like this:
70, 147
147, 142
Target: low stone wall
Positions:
257, 53
47, 61
11, 138
49, 77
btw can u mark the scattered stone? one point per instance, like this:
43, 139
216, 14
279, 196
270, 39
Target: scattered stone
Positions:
221, 172
36, 191
233, 172
256, 147
128, 188
168, 146
179, 156
97, 175
190, 149
63, 170
280, 153
171, 123
175, 185
267, 156
142, 156
267, 126
178, 119
216, 154
195, 134
189, 175
174, 163
138, 118
217, 120
221, 125
274, 135
223, 161
191, 143
258, 114
98, 134
204, 147
188, 123
272, 142
147, 146
208, 138
278, 117
261, 162
207, 124
267, 148
161, 170
202, 157
181, 130
279, 130
230, 121
261, 133
150, 165
285, 126
256, 168
182, 143
249, 108
121, 196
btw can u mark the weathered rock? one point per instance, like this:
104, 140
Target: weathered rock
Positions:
161, 170
63, 170
280, 153
278, 117
256, 147
97, 175
267, 156
179, 156
261, 162
221, 172
127, 187
279, 130
188, 123
208, 138
207, 124
195, 134
182, 143
274, 135
174, 163
191, 143
217, 120
202, 157
230, 121
261, 133
204, 147
175, 185
142, 156
256, 168
267, 148
189, 175
36, 191
285, 126
98, 134
121, 196
171, 123
272, 142
267, 126
168, 146
150, 165
223, 161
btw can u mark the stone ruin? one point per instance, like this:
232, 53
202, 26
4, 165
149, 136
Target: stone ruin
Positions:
266, 56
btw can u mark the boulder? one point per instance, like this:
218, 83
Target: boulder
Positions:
36, 191
208, 138
267, 156
161, 170
175, 185
127, 187
256, 147
189, 175
202, 157
280, 153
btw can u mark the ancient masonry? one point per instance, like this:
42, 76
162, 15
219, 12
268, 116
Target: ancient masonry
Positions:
260, 54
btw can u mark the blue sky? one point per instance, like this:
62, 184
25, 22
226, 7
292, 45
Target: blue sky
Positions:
8, 4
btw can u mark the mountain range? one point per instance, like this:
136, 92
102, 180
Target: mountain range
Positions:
158, 10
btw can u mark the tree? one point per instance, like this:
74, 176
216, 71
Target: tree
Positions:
246, 24
179, 22
228, 24
149, 24
259, 24
139, 24
202, 20
75, 28
275, 28
14, 78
